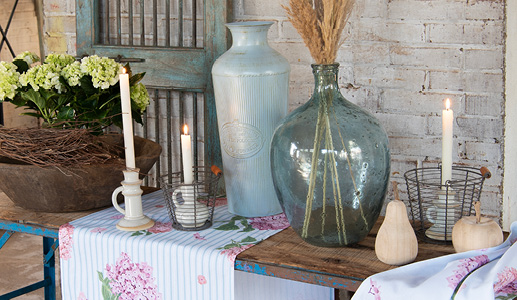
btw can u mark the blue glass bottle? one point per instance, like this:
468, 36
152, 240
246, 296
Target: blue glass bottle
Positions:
330, 163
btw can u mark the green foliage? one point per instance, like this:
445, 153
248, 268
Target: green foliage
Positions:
232, 226
107, 294
239, 244
71, 94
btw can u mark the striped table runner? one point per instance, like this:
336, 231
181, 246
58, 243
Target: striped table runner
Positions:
99, 261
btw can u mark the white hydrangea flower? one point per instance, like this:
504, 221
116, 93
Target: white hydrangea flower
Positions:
73, 73
43, 76
140, 96
104, 71
59, 60
8, 80
28, 57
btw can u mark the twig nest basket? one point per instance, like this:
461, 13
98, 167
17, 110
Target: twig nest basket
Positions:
71, 188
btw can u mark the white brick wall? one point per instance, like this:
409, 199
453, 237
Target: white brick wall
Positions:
401, 59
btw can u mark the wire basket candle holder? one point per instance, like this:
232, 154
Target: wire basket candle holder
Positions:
436, 207
191, 206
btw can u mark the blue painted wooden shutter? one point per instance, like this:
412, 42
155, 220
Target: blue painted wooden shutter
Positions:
175, 43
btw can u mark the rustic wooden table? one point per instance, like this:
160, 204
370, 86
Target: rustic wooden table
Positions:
283, 255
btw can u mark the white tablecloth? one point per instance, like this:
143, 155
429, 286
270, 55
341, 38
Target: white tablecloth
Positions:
480, 274
99, 261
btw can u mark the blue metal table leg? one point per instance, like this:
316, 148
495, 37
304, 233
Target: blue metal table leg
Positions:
5, 237
49, 267
49, 270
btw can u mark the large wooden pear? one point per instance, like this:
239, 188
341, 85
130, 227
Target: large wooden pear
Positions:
396, 242
476, 232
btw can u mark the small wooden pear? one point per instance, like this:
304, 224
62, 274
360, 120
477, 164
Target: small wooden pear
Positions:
476, 232
396, 242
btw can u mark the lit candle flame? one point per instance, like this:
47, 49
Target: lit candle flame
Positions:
123, 70
185, 129
447, 104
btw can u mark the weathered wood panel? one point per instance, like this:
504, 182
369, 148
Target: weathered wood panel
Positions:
286, 255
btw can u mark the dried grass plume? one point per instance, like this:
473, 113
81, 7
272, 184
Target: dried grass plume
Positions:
321, 24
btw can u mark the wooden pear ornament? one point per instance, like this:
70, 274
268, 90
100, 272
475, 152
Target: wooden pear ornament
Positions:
476, 232
396, 242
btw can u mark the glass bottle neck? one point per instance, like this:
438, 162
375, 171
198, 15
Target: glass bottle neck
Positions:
325, 77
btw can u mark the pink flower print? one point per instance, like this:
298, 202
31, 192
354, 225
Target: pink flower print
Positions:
506, 281
374, 289
232, 253
66, 241
98, 229
197, 236
132, 280
117, 217
220, 202
82, 296
464, 267
160, 227
201, 279
270, 222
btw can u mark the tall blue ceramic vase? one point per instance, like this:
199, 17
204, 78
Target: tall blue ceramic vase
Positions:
251, 82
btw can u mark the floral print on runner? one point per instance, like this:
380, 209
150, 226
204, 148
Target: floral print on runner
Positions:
159, 227
66, 232
232, 249
128, 281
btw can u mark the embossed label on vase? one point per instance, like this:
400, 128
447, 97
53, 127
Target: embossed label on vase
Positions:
241, 140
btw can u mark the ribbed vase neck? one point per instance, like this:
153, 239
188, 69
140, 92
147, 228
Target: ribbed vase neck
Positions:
325, 77
249, 33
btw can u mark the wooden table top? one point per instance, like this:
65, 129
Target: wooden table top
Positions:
283, 255
286, 255
51, 221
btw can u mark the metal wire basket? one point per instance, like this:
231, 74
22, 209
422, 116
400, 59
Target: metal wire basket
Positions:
436, 207
191, 206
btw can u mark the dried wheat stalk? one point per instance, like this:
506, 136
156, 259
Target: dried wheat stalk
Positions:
55, 147
320, 24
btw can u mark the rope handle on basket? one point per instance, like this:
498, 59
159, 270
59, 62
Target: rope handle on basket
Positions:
485, 172
215, 169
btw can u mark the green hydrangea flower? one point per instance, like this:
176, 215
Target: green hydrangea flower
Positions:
43, 76
59, 60
140, 96
104, 71
73, 73
8, 80
28, 57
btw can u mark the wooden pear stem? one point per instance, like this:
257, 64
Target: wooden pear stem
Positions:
395, 190
477, 208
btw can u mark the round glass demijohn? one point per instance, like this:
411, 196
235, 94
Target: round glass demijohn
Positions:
330, 163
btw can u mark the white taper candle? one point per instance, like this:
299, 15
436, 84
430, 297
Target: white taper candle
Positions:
447, 128
186, 148
127, 120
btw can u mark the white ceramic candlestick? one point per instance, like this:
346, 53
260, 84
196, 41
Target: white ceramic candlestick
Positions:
134, 219
189, 212
447, 128
127, 120
186, 149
